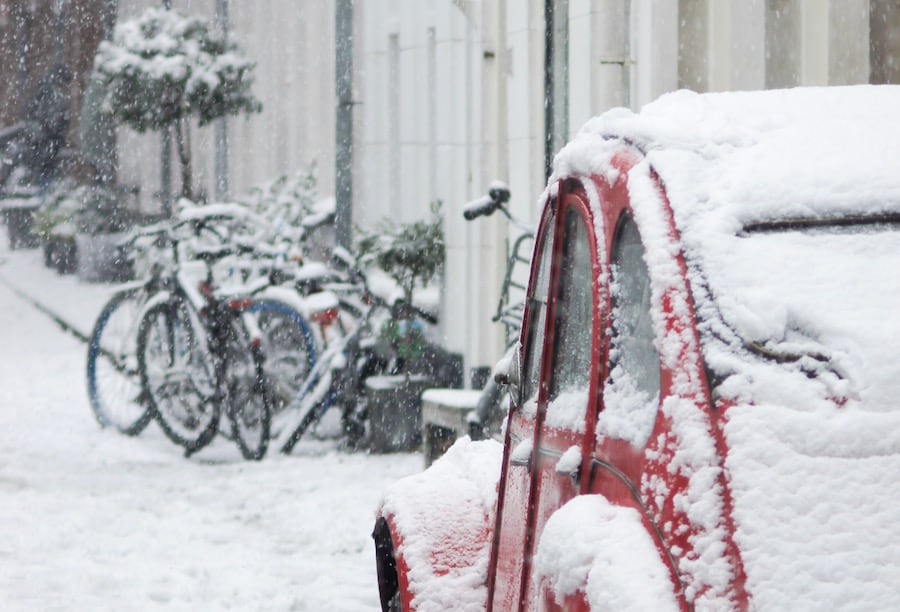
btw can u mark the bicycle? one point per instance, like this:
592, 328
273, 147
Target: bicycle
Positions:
339, 376
187, 352
114, 387
282, 344
484, 421
113, 380
198, 353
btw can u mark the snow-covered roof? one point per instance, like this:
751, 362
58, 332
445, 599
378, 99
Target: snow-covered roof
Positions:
798, 325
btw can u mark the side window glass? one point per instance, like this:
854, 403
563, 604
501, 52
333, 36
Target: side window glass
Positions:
537, 304
571, 375
631, 391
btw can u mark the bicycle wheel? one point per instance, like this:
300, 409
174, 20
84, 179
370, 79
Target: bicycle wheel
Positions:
246, 393
179, 375
316, 397
288, 347
113, 381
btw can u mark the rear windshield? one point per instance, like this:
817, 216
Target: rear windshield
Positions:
819, 296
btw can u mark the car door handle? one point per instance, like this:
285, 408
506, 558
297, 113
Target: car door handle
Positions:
521, 454
569, 464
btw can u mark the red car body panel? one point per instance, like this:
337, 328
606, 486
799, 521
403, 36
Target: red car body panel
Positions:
710, 422
531, 491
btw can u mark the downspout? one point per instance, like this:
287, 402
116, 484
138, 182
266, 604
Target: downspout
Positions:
343, 149
165, 158
221, 129
548, 88
472, 344
556, 79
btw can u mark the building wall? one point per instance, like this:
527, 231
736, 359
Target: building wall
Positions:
449, 95
35, 27
427, 131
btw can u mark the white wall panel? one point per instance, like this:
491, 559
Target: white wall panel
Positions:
446, 144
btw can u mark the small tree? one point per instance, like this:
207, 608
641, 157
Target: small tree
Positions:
413, 255
162, 68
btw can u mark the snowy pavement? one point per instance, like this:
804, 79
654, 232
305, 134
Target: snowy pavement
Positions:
92, 520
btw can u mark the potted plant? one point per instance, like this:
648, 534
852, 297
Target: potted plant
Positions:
56, 223
412, 254
80, 226
103, 220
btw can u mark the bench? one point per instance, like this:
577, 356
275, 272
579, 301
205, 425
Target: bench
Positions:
444, 419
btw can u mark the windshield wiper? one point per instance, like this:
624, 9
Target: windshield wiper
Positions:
805, 223
811, 362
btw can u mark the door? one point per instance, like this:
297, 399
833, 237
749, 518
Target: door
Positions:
558, 367
572, 347
507, 552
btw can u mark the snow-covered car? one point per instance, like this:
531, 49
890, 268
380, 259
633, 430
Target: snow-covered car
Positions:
705, 404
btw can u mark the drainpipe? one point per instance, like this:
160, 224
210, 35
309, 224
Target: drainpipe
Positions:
548, 88
165, 159
221, 129
556, 79
343, 150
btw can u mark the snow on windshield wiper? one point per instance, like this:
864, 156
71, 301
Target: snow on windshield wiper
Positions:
799, 349
807, 223
810, 361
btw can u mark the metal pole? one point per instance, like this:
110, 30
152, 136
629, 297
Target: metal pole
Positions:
548, 88
165, 159
221, 129
343, 151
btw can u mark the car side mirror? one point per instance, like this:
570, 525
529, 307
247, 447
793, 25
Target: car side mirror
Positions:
510, 377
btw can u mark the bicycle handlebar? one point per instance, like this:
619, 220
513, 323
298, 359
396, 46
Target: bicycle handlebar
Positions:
483, 206
486, 205
497, 196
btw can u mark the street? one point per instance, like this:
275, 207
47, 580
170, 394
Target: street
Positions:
93, 520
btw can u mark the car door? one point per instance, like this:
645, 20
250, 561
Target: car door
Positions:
515, 487
570, 379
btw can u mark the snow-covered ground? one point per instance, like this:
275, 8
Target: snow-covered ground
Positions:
92, 520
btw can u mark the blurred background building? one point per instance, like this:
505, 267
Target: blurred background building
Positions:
445, 96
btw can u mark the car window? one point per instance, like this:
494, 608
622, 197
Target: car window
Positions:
631, 390
571, 375
537, 313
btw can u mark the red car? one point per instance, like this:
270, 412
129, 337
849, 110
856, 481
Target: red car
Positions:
704, 405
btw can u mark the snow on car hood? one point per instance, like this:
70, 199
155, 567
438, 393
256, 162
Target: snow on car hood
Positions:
798, 325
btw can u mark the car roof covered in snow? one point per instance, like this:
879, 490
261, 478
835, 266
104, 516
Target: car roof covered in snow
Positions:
764, 154
798, 323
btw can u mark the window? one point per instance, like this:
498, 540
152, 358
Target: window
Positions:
537, 314
571, 376
631, 392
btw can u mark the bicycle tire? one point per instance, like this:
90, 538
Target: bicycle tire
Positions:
246, 394
317, 399
179, 374
114, 387
288, 347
